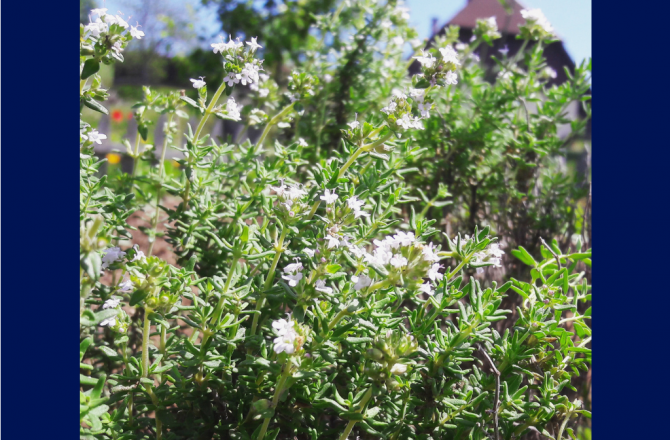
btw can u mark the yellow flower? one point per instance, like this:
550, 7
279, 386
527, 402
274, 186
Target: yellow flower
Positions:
113, 158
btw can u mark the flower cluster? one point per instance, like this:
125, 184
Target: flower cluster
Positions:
491, 255
286, 336
399, 113
536, 27
386, 356
107, 36
239, 61
487, 28
290, 200
439, 71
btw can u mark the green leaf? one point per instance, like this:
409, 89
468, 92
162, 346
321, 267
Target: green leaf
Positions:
91, 66
353, 340
333, 268
95, 105
523, 255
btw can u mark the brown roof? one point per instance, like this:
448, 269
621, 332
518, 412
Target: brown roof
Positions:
475, 9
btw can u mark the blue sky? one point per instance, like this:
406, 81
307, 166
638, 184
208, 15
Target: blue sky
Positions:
570, 18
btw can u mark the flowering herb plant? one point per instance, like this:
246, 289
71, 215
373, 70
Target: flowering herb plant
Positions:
312, 294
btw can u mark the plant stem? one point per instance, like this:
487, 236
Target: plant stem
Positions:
219, 306
279, 248
361, 149
161, 168
275, 400
351, 423
145, 342
563, 425
274, 121
208, 111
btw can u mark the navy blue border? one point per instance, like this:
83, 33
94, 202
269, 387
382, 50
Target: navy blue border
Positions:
40, 226
631, 166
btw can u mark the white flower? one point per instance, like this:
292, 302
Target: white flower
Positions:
386, 23
109, 322
117, 48
249, 74
451, 78
417, 94
219, 48
329, 197
354, 203
233, 109
279, 190
309, 252
327, 78
332, 241
139, 255
286, 336
398, 369
96, 28
536, 16
116, 19
100, 12
231, 78
449, 55
429, 253
404, 238
361, 282
254, 45
136, 33
398, 94
295, 193
398, 41
551, 73
398, 261
434, 273
491, 22
426, 61
96, 137
125, 286
293, 279
354, 124
293, 267
321, 287
198, 83
426, 288
424, 108
111, 303
504, 50
357, 251
495, 250
302, 142
390, 108
111, 255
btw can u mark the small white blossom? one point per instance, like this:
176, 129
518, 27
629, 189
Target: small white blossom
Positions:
321, 287
426, 61
253, 45
293, 267
125, 286
398, 369
504, 50
426, 288
309, 252
434, 273
111, 303
449, 55
398, 261
390, 108
233, 109
451, 78
219, 48
279, 190
96, 137
329, 197
285, 342
100, 12
293, 279
333, 242
109, 322
302, 142
354, 125
386, 23
117, 47
361, 282
398, 41
495, 250
96, 28
536, 16
111, 255
295, 192
357, 251
404, 238
198, 83
136, 33
424, 108
354, 203
429, 253
231, 78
